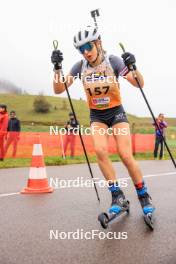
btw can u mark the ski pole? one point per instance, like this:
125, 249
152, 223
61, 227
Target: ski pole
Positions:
55, 44
148, 105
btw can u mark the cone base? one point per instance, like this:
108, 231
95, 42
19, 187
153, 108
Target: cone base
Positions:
28, 190
37, 186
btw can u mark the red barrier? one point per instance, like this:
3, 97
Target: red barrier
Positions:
142, 143
52, 144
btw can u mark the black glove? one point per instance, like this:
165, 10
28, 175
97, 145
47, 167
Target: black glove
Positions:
129, 60
56, 59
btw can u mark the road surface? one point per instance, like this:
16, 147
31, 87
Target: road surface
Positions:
34, 229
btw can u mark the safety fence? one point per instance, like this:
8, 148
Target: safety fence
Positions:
53, 145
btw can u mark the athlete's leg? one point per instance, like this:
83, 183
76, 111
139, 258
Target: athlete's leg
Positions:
124, 148
105, 164
101, 148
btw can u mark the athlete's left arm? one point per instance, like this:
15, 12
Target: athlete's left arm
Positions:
130, 78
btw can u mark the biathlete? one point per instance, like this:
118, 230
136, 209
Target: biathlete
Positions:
99, 73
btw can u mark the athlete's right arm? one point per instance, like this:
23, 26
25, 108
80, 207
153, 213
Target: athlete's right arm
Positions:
60, 82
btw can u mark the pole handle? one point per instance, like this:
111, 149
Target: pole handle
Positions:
95, 13
130, 66
122, 47
55, 44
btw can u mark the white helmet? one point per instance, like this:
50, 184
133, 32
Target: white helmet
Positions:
86, 35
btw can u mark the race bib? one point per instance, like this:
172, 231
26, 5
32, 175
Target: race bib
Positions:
101, 102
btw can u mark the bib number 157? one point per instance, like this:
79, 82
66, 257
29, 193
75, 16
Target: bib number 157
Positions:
98, 90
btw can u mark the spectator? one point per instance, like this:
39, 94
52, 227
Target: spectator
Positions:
159, 136
13, 135
3, 128
70, 138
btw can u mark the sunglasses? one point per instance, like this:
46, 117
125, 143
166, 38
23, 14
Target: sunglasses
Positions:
88, 46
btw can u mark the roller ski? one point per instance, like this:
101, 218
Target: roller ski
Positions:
119, 205
148, 209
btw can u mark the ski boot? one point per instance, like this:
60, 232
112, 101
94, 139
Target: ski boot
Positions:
148, 209
119, 205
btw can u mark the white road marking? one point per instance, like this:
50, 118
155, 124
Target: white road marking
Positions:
128, 178
154, 175
8, 194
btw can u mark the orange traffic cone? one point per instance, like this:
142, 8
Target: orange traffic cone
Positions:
37, 182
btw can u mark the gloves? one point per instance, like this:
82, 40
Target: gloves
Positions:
56, 59
129, 60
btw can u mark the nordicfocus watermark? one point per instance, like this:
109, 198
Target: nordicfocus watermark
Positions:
80, 182
92, 78
89, 131
80, 234
58, 30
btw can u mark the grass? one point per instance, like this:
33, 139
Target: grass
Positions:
23, 105
14, 163
40, 122
57, 161
50, 161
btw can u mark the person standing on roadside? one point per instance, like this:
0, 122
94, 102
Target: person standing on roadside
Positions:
3, 128
159, 134
70, 138
13, 135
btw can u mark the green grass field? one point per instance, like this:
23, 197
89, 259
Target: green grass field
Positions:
40, 122
23, 105
56, 161
32, 121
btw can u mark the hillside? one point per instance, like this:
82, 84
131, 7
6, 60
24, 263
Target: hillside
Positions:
23, 105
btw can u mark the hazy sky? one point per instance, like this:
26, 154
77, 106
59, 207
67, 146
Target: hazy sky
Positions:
147, 29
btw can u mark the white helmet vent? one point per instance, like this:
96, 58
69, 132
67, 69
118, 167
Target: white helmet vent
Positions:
86, 35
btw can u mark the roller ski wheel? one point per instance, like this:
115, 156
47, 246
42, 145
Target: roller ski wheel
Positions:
149, 220
106, 218
103, 218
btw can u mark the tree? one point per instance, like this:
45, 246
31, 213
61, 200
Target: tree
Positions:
41, 105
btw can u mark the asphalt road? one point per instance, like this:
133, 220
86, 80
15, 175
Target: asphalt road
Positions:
28, 222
